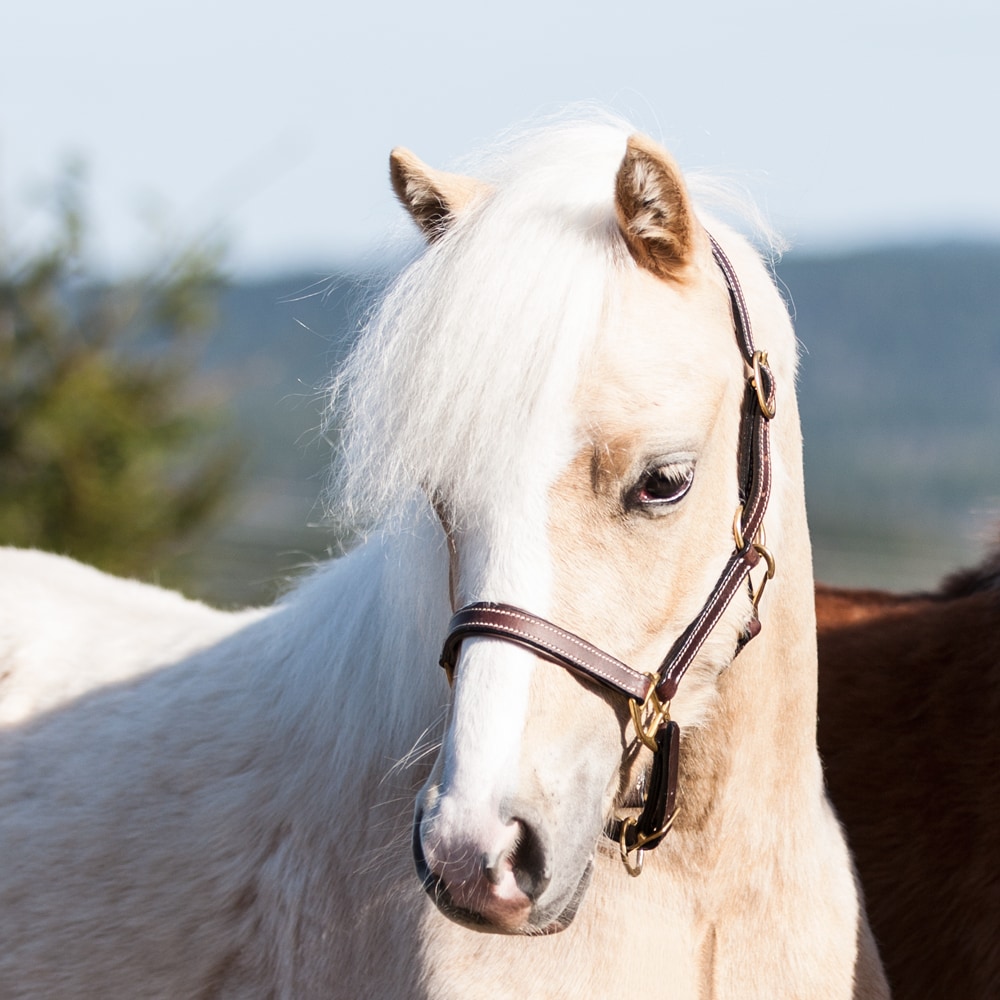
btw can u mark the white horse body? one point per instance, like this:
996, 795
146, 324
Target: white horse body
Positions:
165, 834
202, 804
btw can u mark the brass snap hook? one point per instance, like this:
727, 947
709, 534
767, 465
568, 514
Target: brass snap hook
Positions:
765, 554
759, 545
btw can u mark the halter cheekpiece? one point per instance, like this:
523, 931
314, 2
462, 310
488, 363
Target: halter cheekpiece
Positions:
649, 694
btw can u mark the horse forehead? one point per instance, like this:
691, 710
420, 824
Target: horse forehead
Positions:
667, 355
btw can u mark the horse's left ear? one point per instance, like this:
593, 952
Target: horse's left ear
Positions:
432, 197
654, 211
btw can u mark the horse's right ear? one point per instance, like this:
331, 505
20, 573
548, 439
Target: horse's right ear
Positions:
432, 197
654, 212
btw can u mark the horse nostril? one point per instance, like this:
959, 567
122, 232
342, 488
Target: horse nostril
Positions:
531, 872
525, 860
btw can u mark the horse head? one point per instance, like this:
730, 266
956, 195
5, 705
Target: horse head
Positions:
567, 394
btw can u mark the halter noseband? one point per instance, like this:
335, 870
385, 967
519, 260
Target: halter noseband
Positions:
649, 694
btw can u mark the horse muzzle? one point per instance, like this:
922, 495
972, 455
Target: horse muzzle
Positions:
499, 882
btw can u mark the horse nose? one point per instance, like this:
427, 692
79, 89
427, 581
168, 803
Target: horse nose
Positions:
494, 877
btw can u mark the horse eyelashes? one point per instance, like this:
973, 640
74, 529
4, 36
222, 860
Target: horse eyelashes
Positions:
661, 487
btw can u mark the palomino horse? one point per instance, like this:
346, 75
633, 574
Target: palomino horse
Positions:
556, 409
909, 695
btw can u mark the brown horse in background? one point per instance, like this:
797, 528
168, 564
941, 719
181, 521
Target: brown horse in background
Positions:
909, 731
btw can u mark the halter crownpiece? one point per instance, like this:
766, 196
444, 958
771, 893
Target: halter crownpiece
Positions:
650, 693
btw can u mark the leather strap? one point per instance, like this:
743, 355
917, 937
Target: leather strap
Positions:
565, 648
658, 811
754, 478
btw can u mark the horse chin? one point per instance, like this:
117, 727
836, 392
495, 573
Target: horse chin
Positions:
539, 923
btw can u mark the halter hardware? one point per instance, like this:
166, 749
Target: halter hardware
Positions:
657, 714
638, 848
637, 834
650, 694
759, 546
765, 554
757, 384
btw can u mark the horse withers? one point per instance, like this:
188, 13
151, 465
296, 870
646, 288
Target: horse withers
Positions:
554, 411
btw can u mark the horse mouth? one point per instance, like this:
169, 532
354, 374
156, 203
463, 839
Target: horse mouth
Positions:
435, 887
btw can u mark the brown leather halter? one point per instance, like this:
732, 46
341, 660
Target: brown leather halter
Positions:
650, 694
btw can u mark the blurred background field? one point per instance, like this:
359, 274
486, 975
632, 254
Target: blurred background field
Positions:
250, 141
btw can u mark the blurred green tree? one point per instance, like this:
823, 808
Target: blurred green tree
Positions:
111, 450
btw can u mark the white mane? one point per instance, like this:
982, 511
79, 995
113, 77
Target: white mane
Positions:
427, 392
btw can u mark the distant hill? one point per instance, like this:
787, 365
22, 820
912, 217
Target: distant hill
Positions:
899, 389
900, 395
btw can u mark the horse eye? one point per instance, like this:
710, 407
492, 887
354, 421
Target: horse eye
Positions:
661, 487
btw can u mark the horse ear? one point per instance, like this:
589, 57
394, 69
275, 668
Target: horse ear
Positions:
653, 209
432, 197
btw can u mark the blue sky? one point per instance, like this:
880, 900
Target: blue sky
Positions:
850, 123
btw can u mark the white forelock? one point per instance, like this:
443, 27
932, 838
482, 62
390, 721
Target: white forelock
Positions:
478, 343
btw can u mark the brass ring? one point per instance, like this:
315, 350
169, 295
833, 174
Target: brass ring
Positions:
738, 528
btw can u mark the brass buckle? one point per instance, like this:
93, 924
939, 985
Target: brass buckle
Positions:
760, 360
659, 712
635, 869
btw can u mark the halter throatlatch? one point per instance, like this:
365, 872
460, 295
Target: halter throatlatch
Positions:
650, 693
